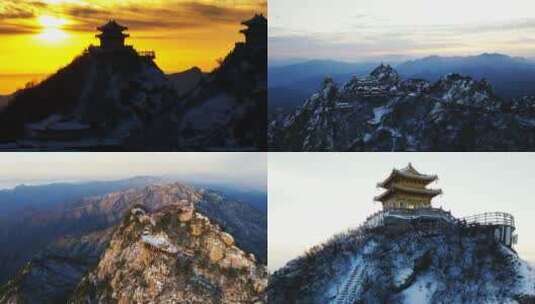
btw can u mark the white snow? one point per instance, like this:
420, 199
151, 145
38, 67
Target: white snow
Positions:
159, 241
378, 114
527, 283
402, 275
421, 291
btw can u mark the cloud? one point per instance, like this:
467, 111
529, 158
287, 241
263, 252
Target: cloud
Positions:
137, 15
11, 9
174, 15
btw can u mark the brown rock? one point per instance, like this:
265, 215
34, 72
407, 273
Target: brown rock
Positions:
227, 239
216, 249
186, 214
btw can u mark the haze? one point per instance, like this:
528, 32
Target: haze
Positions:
245, 169
313, 196
361, 30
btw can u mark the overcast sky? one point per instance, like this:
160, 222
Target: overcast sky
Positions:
315, 195
248, 169
358, 30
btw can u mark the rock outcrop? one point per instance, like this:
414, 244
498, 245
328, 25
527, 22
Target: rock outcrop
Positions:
229, 230
382, 112
157, 257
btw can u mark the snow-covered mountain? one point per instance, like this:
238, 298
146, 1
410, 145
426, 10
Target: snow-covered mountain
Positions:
419, 264
382, 112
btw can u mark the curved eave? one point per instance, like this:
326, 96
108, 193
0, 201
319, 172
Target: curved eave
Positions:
424, 192
426, 178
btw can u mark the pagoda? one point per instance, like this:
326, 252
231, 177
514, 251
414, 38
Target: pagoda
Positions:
256, 31
406, 189
112, 36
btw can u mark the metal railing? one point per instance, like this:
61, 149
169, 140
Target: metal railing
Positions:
377, 219
490, 219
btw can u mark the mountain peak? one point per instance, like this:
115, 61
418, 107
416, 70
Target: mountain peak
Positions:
173, 255
420, 264
385, 73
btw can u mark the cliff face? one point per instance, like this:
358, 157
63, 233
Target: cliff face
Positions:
53, 273
384, 113
419, 265
172, 255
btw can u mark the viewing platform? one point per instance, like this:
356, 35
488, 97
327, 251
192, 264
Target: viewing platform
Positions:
489, 219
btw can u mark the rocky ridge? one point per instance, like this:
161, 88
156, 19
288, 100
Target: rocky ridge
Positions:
51, 275
382, 112
172, 255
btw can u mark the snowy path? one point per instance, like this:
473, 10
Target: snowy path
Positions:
351, 288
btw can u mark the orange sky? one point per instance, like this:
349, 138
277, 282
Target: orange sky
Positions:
39, 36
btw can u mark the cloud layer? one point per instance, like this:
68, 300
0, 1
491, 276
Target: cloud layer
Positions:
16, 15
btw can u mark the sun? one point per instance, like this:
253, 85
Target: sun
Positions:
52, 28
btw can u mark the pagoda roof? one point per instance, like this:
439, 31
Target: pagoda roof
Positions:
112, 26
410, 173
398, 188
258, 19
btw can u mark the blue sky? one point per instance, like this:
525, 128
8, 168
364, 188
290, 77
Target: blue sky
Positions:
360, 30
312, 196
247, 169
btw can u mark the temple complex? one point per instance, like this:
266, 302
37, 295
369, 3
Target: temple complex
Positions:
406, 189
256, 31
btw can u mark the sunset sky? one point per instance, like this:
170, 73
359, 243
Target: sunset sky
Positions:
39, 36
360, 30
313, 196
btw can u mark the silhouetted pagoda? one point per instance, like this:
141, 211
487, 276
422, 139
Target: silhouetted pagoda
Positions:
112, 36
256, 31
112, 39
406, 189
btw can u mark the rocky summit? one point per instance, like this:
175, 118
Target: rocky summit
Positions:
419, 264
203, 235
383, 112
172, 255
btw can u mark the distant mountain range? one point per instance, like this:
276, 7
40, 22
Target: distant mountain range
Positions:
510, 76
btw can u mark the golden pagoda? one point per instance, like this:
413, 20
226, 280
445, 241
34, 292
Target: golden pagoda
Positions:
406, 189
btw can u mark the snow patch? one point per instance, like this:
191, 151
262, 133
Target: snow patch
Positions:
159, 241
421, 291
378, 114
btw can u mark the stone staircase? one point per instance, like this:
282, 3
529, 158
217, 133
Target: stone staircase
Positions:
351, 288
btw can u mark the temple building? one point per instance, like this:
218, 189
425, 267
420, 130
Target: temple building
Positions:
256, 31
406, 189
112, 36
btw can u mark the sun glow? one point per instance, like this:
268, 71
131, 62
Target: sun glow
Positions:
52, 28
